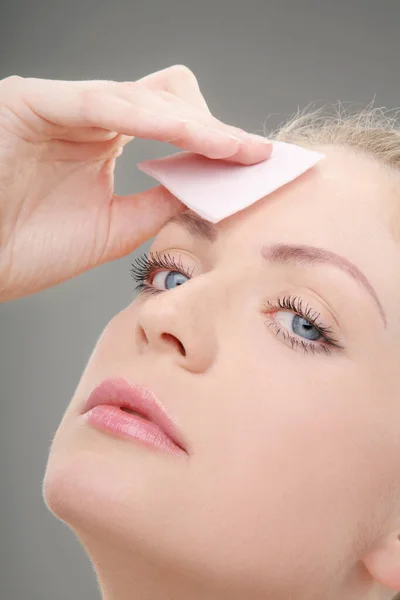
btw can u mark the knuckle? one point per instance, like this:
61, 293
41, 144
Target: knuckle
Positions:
131, 85
133, 88
135, 91
9, 84
11, 80
183, 73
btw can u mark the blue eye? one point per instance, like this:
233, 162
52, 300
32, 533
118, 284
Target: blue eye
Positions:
145, 270
173, 279
309, 334
299, 325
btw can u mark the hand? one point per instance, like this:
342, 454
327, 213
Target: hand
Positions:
59, 141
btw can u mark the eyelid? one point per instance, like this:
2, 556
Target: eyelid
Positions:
294, 304
318, 303
310, 303
176, 252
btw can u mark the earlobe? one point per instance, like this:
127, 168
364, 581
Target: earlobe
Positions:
383, 561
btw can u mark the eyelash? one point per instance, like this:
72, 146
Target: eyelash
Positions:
144, 266
295, 304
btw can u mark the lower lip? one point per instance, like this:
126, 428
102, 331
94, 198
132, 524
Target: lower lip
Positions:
123, 424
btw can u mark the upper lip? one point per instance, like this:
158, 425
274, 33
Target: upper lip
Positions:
118, 392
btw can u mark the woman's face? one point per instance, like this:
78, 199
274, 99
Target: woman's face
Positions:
291, 435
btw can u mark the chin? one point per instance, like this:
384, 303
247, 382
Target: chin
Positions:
80, 487
105, 487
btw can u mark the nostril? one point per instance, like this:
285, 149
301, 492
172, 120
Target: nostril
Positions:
172, 339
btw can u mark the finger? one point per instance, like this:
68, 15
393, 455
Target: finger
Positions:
135, 219
84, 134
91, 135
179, 81
68, 104
248, 154
55, 103
181, 109
64, 150
90, 108
93, 107
50, 100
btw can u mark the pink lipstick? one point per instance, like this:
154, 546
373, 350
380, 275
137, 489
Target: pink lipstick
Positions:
132, 411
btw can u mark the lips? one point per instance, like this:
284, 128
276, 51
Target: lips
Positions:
138, 399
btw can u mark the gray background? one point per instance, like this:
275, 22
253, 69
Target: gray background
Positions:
252, 59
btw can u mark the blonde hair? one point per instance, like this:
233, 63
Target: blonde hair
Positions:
374, 132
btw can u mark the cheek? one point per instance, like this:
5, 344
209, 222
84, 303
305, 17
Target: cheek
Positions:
108, 357
112, 354
290, 453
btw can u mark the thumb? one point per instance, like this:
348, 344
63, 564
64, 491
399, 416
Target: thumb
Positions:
136, 218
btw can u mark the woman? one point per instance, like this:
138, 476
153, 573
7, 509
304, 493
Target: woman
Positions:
275, 351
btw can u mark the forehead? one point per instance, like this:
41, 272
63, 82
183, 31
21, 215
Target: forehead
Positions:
340, 205
346, 194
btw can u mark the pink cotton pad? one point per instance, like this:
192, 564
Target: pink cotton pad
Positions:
216, 189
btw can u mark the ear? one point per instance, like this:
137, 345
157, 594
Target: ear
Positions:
383, 561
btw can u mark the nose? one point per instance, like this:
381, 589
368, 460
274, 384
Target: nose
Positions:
179, 323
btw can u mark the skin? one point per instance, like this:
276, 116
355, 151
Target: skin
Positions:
59, 141
290, 488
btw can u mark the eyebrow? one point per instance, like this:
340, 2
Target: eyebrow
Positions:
279, 253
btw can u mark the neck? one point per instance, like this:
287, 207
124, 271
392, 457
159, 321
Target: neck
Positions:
141, 581
128, 574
